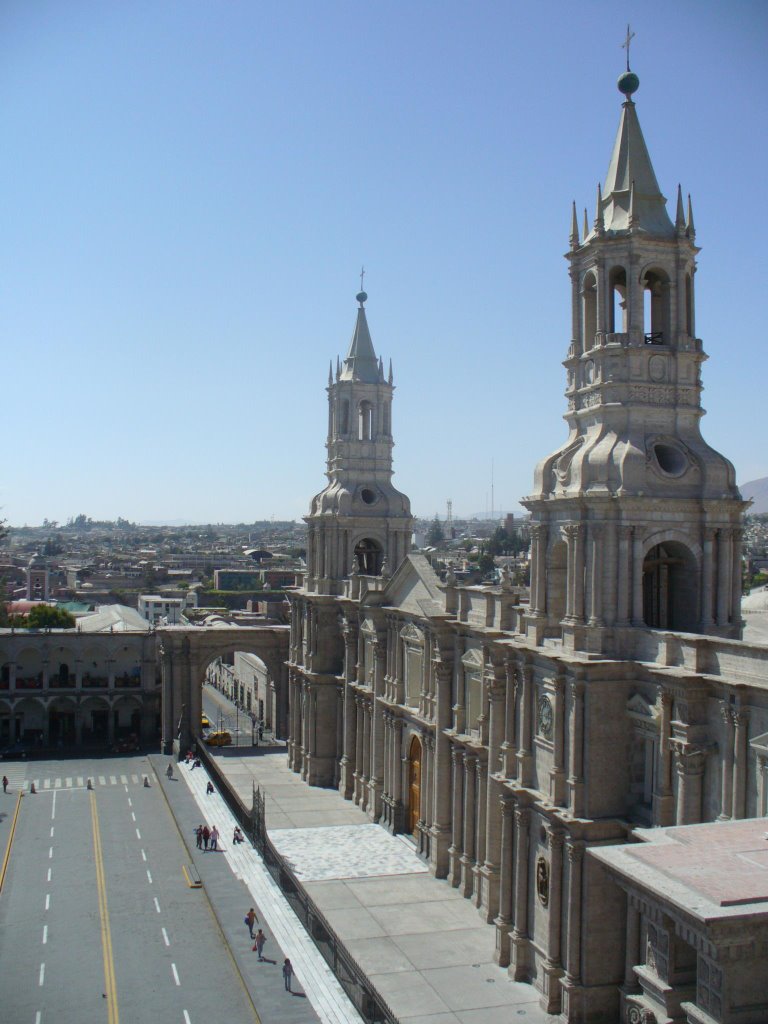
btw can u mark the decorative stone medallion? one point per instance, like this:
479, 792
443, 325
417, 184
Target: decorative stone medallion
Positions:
544, 710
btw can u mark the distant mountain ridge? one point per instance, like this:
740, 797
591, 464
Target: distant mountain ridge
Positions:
757, 490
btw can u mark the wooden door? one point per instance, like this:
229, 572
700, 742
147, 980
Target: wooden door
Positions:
414, 784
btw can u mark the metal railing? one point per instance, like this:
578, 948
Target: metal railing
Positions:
349, 973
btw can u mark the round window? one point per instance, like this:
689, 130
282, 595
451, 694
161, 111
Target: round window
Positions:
368, 495
671, 460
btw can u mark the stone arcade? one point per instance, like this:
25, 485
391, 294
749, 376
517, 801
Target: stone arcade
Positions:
517, 742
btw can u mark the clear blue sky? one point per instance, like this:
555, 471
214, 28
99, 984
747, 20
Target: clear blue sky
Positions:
189, 188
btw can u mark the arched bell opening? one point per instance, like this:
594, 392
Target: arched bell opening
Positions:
414, 784
368, 557
617, 310
589, 310
671, 588
365, 422
656, 307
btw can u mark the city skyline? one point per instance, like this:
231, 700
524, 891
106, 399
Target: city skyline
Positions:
190, 193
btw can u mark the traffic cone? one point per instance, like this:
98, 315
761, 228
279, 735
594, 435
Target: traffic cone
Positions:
90, 785
146, 782
32, 788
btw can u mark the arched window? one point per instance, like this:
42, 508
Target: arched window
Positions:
344, 427
589, 299
368, 557
618, 308
656, 307
63, 674
387, 419
671, 588
365, 422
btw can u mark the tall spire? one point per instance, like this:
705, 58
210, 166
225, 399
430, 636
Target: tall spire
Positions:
680, 214
361, 362
689, 222
574, 239
630, 163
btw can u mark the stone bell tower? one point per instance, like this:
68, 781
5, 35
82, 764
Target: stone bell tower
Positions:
636, 519
359, 523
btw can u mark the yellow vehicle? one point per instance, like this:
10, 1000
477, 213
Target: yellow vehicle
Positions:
218, 739
205, 722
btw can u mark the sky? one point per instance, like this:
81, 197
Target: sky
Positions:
189, 188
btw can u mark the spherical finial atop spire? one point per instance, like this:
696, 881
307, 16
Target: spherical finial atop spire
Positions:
361, 297
628, 83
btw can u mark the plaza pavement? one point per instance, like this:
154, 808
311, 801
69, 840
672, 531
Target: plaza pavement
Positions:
423, 946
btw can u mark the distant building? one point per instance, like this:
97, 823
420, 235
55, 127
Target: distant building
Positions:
38, 579
157, 609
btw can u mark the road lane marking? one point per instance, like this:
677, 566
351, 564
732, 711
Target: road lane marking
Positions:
133, 816
124, 780
9, 844
53, 809
41, 979
113, 1016
143, 855
57, 783
166, 940
45, 933
38, 1017
175, 974
138, 834
112, 780
80, 781
68, 783
149, 876
50, 854
130, 802
102, 781
186, 1018
47, 784
48, 901
157, 905
51, 831
134, 778
49, 874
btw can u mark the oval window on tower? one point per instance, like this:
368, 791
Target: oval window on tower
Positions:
368, 496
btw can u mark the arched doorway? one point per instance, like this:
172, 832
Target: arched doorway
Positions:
368, 557
414, 784
671, 588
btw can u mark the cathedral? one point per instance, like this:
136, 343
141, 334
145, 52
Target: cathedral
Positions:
584, 761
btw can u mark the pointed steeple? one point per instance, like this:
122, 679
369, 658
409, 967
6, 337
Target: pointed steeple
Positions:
599, 219
586, 224
689, 221
361, 362
391, 378
680, 214
330, 372
381, 370
629, 163
574, 239
338, 368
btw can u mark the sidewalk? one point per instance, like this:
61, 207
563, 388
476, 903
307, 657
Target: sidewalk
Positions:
423, 946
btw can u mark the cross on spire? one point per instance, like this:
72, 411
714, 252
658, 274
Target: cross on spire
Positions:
362, 278
627, 41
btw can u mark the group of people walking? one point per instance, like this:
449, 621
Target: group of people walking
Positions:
259, 940
207, 838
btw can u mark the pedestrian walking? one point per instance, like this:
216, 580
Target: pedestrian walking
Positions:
209, 788
5, 783
287, 974
214, 838
250, 920
199, 836
258, 945
206, 837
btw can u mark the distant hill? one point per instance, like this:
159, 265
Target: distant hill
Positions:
757, 490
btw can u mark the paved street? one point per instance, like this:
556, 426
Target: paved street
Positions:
97, 922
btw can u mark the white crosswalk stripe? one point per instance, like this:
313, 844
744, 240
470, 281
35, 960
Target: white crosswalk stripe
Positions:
17, 774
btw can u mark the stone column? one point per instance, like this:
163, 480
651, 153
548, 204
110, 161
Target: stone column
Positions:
596, 535
519, 937
663, 799
457, 818
723, 576
377, 725
508, 749
707, 577
726, 763
441, 827
690, 768
524, 754
740, 763
468, 855
557, 772
576, 750
632, 951
578, 569
482, 787
575, 852
348, 760
503, 920
538, 568
359, 770
762, 785
601, 300
553, 969
623, 603
637, 578
570, 536
737, 536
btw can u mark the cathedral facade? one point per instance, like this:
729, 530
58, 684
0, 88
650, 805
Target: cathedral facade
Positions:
519, 736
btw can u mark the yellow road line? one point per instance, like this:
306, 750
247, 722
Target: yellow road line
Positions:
113, 1016
9, 844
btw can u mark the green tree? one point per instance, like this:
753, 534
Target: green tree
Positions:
46, 616
435, 535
